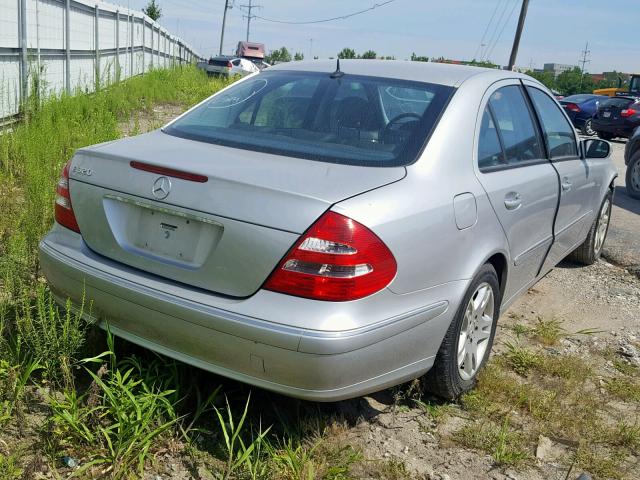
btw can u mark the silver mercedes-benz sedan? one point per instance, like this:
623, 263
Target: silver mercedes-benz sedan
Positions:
326, 232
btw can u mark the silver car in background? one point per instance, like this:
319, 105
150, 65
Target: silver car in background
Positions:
326, 232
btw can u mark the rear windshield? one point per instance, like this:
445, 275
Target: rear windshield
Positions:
356, 120
618, 102
578, 98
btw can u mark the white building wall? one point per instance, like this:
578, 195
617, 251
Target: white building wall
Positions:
142, 43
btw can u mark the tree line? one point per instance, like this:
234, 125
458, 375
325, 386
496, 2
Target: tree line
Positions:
567, 83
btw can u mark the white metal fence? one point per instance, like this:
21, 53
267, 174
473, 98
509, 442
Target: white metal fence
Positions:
69, 45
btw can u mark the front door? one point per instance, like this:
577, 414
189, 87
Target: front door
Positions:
577, 185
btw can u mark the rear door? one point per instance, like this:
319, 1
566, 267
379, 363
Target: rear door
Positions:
520, 182
577, 186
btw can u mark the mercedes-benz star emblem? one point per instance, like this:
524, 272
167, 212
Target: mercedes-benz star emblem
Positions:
161, 188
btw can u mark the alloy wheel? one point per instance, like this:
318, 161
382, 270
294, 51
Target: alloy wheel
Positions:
635, 175
588, 128
475, 331
603, 225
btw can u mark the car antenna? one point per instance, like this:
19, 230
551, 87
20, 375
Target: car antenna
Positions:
337, 73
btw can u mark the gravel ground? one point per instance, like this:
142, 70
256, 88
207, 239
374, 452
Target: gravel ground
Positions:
623, 242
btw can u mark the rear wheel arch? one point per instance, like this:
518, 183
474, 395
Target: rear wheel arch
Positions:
499, 263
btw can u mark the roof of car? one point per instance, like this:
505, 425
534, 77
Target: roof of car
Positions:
432, 72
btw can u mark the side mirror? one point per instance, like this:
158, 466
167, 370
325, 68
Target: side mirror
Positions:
595, 148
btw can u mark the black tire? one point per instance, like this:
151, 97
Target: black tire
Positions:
587, 128
632, 178
605, 135
588, 253
444, 379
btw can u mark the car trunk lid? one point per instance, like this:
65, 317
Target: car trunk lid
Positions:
225, 234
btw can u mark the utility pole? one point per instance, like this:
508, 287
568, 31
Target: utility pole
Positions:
311, 49
224, 21
584, 60
516, 40
249, 8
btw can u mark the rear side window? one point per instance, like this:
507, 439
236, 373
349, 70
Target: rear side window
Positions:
558, 132
515, 125
490, 152
355, 120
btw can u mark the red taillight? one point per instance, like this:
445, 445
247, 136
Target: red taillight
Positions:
338, 259
572, 107
229, 65
63, 209
627, 112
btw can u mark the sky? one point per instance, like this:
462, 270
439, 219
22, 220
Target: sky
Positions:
556, 31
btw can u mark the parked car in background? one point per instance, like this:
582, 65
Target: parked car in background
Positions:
617, 117
581, 108
632, 161
327, 232
229, 66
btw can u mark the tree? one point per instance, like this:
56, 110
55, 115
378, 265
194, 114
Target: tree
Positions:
546, 78
281, 55
572, 81
418, 58
369, 55
152, 10
482, 63
347, 53
298, 56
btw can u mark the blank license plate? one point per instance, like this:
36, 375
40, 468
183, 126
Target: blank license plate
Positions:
606, 114
168, 235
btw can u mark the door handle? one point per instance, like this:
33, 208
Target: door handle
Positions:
512, 200
566, 184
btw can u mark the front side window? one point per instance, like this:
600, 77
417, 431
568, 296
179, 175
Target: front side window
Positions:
356, 120
558, 132
515, 125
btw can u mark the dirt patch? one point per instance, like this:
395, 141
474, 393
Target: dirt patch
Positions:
150, 119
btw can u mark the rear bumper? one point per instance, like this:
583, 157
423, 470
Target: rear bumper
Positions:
321, 365
621, 130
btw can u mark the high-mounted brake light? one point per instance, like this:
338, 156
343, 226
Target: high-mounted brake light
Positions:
627, 112
338, 259
63, 210
169, 172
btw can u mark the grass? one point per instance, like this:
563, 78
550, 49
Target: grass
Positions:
555, 395
113, 415
502, 441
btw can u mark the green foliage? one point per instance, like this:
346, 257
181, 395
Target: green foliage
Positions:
152, 10
280, 55
117, 421
240, 454
546, 78
519, 358
418, 58
347, 53
298, 56
505, 444
369, 55
50, 335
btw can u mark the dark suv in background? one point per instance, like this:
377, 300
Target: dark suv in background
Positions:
632, 160
617, 117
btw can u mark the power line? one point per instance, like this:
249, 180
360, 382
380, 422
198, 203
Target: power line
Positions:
341, 17
484, 55
486, 30
249, 8
506, 22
